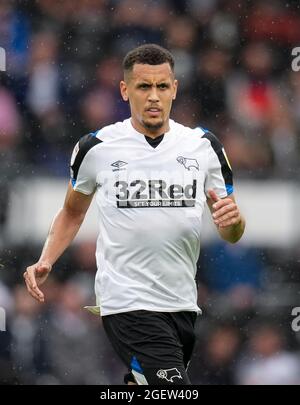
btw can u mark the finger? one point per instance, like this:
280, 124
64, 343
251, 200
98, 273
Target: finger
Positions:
223, 210
31, 276
230, 222
38, 292
39, 298
28, 279
31, 283
29, 287
229, 215
34, 294
213, 196
221, 203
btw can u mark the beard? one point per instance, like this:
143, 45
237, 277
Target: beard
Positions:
151, 126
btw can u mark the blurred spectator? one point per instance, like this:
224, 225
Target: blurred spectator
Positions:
234, 271
249, 158
214, 361
14, 37
273, 20
181, 35
6, 299
224, 25
267, 362
43, 89
210, 86
98, 109
292, 86
10, 134
77, 348
185, 110
27, 346
260, 109
10, 121
108, 76
130, 26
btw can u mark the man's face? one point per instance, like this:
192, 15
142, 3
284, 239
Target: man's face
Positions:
150, 90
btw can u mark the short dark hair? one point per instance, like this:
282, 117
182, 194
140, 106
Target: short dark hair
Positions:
148, 54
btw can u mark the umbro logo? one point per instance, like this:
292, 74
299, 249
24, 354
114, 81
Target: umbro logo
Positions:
119, 165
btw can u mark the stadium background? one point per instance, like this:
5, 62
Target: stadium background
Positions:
234, 63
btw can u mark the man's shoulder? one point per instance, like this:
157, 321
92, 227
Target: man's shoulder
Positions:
109, 132
200, 133
93, 142
103, 135
185, 131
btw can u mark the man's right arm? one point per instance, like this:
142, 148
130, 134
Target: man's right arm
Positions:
62, 231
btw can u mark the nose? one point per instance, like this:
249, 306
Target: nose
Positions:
153, 95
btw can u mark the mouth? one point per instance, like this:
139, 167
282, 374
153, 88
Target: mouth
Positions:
153, 111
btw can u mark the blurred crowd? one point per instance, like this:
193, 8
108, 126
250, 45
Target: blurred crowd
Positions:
233, 62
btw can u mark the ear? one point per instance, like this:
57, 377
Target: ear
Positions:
175, 87
123, 90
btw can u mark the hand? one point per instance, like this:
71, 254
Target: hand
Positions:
34, 276
226, 212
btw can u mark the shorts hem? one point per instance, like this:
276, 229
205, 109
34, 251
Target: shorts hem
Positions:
105, 313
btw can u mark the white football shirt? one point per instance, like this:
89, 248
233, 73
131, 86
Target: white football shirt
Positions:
150, 200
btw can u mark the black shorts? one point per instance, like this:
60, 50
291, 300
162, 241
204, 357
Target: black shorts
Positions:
155, 346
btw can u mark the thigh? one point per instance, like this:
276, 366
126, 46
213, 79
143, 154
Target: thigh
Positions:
149, 345
185, 325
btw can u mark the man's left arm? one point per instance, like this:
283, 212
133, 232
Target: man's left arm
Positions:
226, 216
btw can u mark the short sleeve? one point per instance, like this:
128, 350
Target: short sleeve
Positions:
219, 173
82, 167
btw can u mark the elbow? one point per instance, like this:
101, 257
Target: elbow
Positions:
75, 216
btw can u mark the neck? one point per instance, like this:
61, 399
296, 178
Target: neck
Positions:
152, 133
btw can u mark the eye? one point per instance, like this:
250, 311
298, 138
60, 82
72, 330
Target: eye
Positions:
163, 86
143, 86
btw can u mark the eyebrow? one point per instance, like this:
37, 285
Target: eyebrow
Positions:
145, 83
